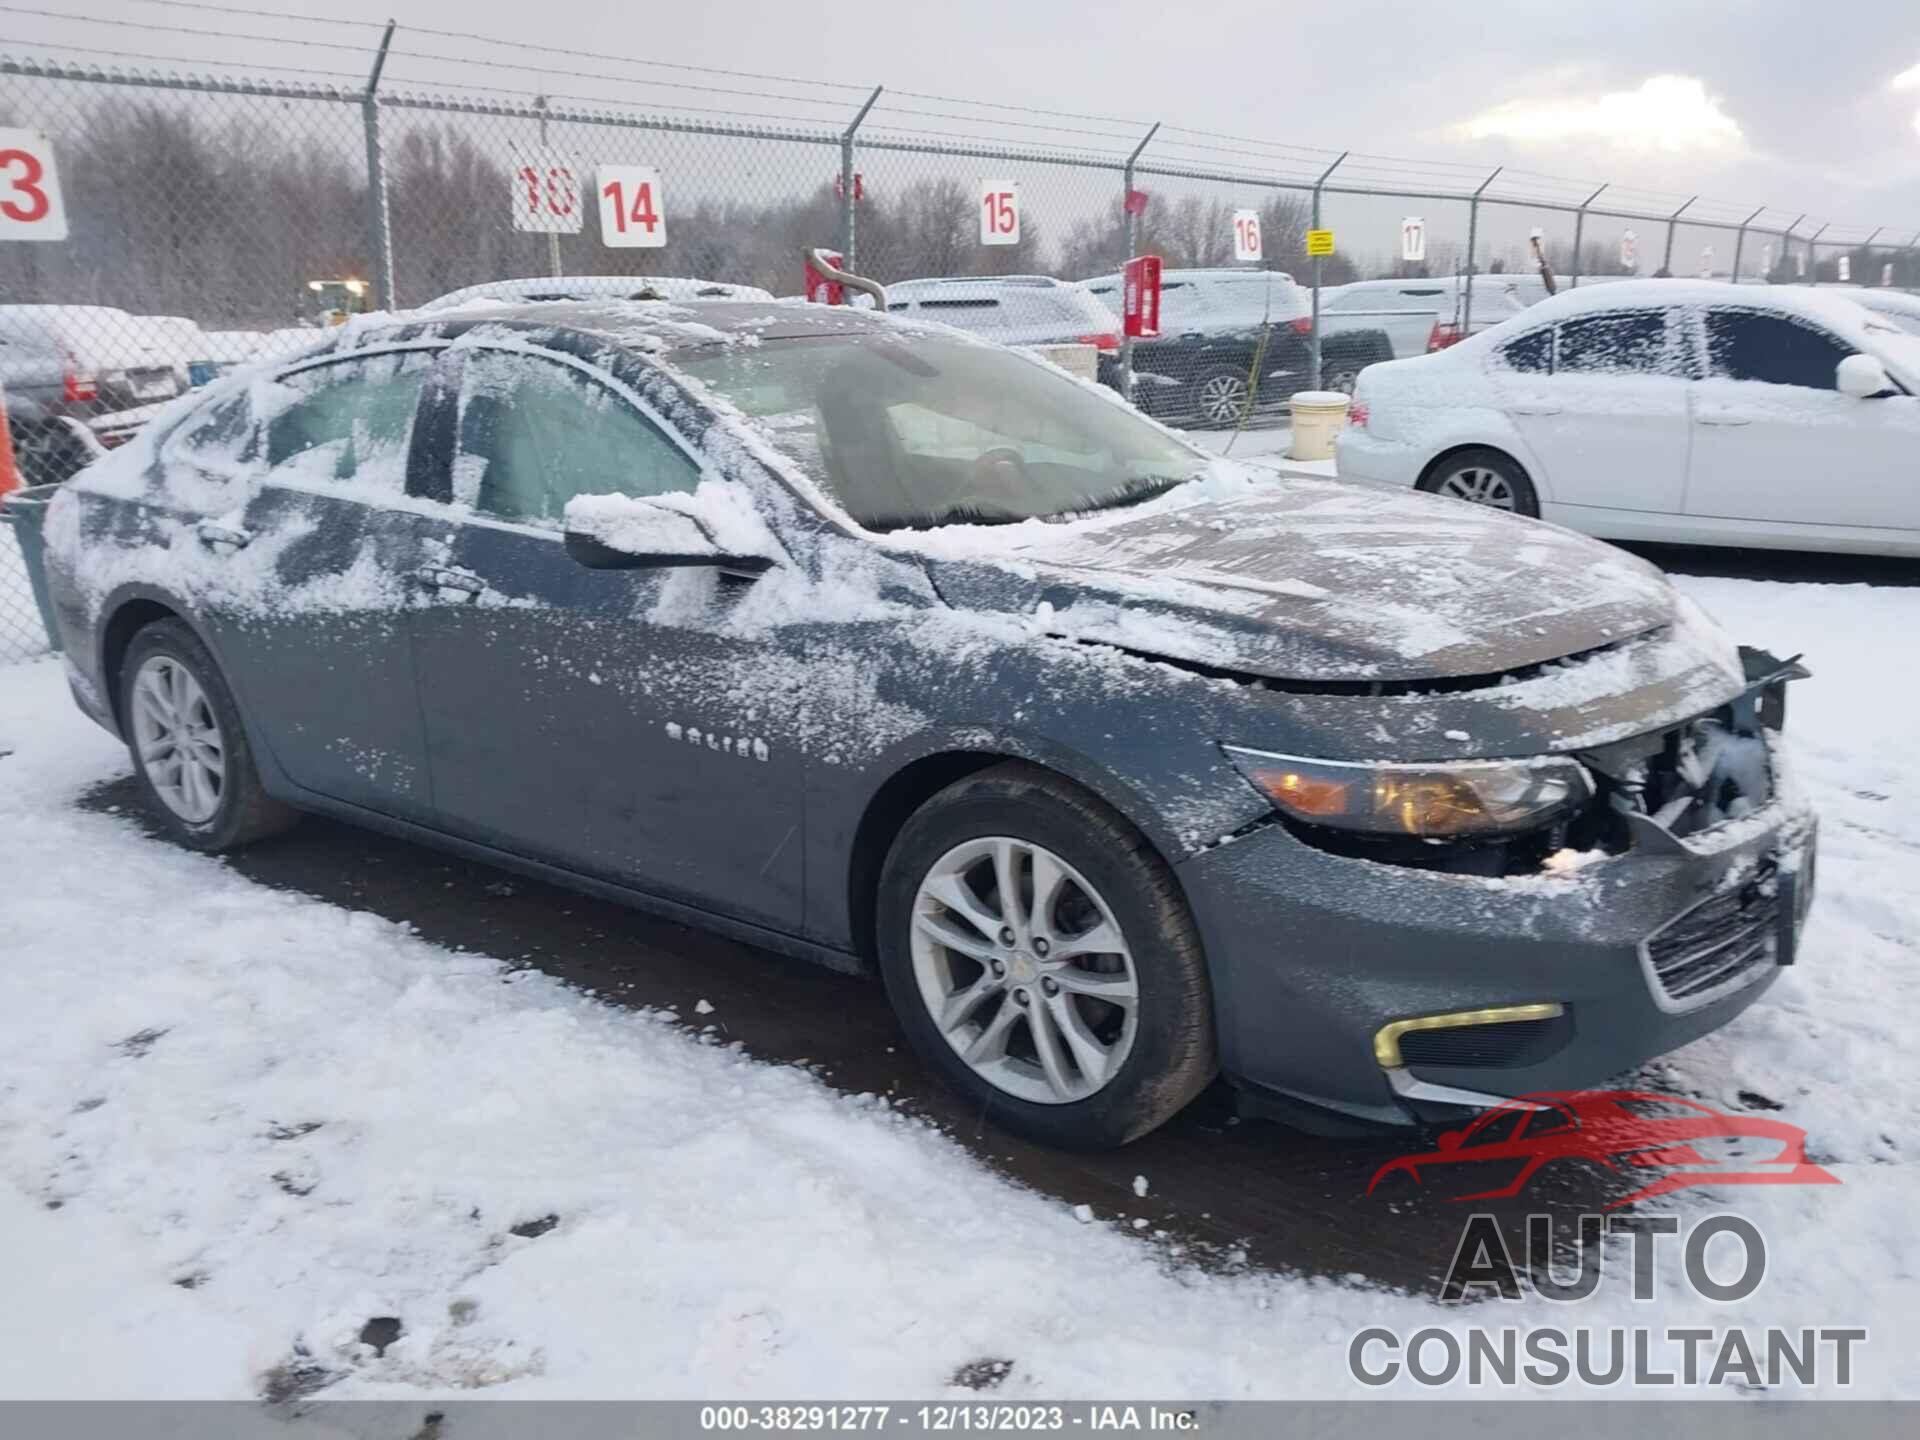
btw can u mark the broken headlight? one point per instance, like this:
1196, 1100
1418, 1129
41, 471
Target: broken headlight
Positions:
1436, 800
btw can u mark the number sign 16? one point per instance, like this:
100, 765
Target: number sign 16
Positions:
999, 212
1246, 235
31, 206
632, 211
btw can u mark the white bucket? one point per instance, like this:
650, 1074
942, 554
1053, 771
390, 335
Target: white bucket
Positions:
1318, 416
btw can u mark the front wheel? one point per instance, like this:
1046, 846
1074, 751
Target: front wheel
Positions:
1483, 477
1042, 960
189, 749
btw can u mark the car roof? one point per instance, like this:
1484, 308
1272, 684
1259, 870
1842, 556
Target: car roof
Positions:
942, 282
1633, 293
560, 289
653, 326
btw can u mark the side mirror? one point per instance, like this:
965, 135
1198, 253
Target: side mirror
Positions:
1862, 377
620, 532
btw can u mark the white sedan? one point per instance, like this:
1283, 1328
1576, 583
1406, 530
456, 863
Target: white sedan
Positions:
1670, 410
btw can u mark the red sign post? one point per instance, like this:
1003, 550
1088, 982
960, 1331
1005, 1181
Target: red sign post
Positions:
821, 290
1140, 298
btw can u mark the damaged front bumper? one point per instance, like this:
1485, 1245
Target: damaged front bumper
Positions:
1551, 980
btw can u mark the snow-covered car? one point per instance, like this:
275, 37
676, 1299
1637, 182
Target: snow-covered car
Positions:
1123, 764
551, 288
1418, 315
1896, 307
1221, 329
1684, 411
1035, 310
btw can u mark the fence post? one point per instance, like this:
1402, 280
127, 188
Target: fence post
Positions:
1786, 240
1473, 239
1313, 336
379, 218
553, 236
1868, 247
848, 186
1813, 256
1579, 226
1666, 259
1130, 225
1740, 242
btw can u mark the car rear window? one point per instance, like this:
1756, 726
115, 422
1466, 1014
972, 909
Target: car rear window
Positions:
1624, 342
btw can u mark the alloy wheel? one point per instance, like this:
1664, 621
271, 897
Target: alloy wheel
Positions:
1222, 398
178, 739
1024, 970
1479, 485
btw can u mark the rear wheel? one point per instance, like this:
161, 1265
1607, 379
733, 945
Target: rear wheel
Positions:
1220, 396
1483, 477
1041, 959
189, 748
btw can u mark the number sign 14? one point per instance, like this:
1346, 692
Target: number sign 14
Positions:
999, 212
633, 213
31, 206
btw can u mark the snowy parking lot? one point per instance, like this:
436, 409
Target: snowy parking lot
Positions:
254, 1142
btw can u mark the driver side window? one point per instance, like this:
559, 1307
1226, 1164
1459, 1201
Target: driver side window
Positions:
534, 433
1772, 349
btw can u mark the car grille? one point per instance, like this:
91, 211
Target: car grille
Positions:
1720, 943
1508, 1045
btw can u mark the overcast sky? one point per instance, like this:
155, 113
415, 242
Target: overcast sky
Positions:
1787, 103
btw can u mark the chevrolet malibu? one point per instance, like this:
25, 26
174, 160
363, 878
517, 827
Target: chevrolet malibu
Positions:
1123, 766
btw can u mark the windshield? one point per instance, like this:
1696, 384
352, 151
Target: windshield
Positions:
915, 431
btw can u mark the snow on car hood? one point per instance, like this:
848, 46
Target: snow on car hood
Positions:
1304, 578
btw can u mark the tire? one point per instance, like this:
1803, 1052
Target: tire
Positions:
189, 749
1480, 472
1219, 396
1121, 1065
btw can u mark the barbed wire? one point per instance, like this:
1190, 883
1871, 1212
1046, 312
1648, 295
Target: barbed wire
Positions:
1259, 159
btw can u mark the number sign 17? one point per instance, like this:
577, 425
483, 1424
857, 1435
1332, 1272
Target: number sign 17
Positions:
999, 212
633, 213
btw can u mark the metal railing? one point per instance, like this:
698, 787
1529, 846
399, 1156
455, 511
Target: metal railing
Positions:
213, 215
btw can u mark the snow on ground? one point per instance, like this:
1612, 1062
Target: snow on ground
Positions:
237, 1123
1272, 444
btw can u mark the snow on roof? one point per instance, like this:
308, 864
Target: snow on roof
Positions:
562, 288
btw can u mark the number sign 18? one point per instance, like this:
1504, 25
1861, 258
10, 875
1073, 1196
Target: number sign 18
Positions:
999, 212
31, 206
633, 213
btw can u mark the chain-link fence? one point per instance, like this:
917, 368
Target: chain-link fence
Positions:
212, 220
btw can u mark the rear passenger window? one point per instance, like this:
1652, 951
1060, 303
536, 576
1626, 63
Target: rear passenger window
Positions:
1772, 349
1630, 342
355, 422
535, 433
1532, 354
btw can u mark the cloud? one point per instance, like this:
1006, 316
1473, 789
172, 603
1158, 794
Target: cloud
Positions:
1667, 112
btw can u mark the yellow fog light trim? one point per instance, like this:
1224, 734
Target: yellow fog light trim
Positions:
1386, 1043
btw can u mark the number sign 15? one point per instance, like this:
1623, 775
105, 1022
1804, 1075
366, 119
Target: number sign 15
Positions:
1246, 235
632, 211
999, 212
31, 206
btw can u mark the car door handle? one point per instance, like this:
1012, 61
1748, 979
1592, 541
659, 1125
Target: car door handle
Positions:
451, 577
1535, 407
1722, 417
223, 539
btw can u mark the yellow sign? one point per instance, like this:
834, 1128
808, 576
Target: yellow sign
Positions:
1319, 242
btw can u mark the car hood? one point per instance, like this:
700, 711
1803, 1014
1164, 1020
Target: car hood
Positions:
1319, 580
